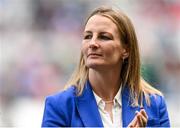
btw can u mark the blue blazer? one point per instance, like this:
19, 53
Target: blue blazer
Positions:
67, 109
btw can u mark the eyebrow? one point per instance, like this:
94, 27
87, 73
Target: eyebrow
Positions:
105, 33
100, 32
87, 32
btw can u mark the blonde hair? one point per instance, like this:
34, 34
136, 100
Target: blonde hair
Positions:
130, 71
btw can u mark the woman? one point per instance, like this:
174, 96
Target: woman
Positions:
106, 89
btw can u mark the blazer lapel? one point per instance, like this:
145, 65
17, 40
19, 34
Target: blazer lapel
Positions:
87, 108
128, 112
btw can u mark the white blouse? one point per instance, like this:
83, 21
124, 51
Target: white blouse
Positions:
116, 111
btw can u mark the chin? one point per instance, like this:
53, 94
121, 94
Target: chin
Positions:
93, 65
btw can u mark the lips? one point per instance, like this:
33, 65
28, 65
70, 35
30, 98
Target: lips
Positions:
94, 55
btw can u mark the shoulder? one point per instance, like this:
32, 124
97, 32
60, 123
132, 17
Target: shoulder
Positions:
158, 110
58, 108
157, 100
62, 96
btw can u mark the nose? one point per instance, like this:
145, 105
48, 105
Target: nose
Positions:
93, 44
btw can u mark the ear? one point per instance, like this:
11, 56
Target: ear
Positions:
125, 54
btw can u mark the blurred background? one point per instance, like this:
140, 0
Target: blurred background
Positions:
40, 44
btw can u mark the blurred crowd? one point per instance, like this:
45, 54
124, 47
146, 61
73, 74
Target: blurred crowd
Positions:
40, 44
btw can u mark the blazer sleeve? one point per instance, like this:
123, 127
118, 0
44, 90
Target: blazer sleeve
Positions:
163, 113
53, 115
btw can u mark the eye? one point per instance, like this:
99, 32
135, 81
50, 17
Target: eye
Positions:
104, 37
87, 37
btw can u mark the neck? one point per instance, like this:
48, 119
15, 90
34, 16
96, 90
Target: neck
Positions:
105, 83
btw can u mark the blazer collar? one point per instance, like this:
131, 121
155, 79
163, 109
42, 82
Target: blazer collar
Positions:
87, 108
128, 111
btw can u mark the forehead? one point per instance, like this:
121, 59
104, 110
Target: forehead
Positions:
101, 23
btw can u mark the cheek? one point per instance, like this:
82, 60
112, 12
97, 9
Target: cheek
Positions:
114, 53
84, 49
110, 51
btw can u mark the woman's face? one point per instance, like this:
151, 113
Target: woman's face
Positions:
101, 46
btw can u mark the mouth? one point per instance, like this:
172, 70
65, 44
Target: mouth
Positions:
94, 55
